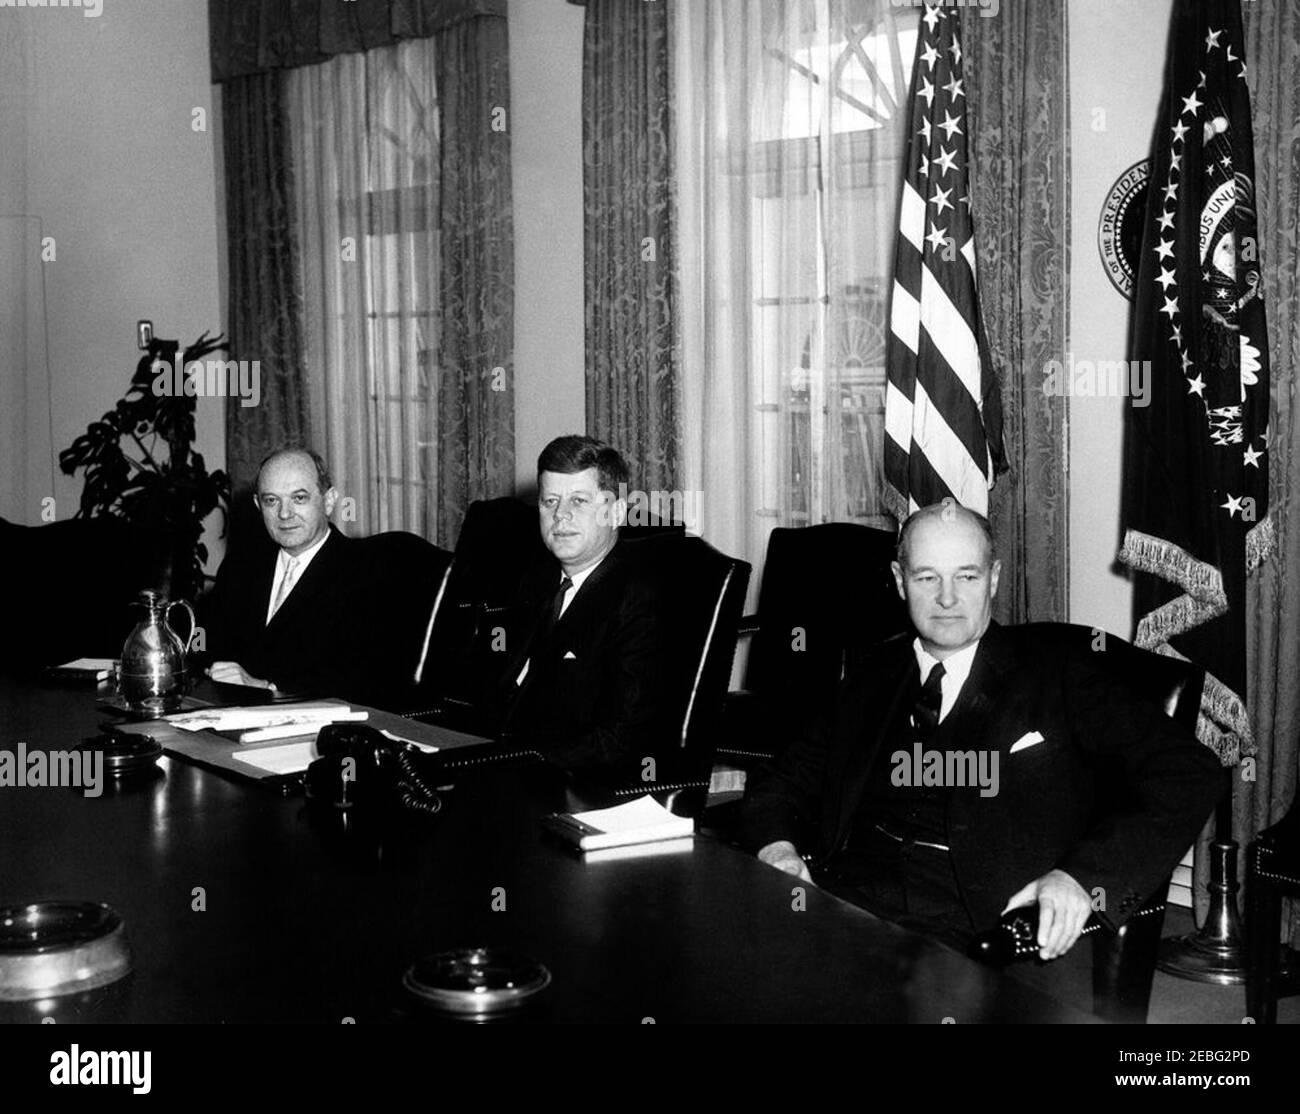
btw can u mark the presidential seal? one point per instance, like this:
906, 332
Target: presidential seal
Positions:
1119, 234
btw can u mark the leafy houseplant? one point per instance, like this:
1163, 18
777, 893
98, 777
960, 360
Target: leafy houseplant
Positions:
165, 494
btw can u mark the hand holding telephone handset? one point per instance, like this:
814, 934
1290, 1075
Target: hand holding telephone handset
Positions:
361, 766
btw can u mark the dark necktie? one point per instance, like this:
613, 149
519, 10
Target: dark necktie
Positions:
553, 615
558, 605
929, 702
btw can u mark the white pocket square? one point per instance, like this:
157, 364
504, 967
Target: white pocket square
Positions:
1029, 739
570, 656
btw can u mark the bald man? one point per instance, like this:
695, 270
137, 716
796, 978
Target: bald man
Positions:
955, 778
281, 616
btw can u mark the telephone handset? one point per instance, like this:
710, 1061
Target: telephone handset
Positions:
361, 767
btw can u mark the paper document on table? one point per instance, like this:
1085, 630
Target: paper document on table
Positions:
641, 821
288, 758
270, 715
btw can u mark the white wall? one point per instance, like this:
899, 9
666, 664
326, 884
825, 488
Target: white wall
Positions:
1117, 52
546, 156
127, 189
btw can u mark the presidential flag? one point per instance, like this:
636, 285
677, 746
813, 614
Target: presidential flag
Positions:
943, 413
1196, 469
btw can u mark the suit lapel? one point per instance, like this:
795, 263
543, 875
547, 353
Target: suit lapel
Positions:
311, 583
888, 690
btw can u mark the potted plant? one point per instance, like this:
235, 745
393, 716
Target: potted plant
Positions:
140, 466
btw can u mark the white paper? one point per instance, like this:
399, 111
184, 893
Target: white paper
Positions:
289, 758
249, 719
644, 812
98, 664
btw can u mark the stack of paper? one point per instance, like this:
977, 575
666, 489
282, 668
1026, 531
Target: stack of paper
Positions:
265, 723
644, 820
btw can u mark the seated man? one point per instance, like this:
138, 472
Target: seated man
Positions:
280, 615
587, 686
1033, 718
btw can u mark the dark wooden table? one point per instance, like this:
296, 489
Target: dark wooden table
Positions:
242, 906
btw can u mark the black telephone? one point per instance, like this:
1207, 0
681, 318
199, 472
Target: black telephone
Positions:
360, 767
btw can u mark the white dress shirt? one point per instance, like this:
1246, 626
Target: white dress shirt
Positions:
956, 668
282, 566
578, 578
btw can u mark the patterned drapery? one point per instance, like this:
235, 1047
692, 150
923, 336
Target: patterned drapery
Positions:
1272, 41
1016, 76
265, 301
476, 412
627, 191
257, 36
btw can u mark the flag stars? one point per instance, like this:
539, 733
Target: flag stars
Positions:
954, 89
937, 237
955, 51
1201, 84
1175, 161
925, 129
950, 124
1170, 307
1187, 361
1166, 278
1165, 250
1166, 221
931, 17
929, 55
940, 200
1212, 39
1231, 57
1190, 104
1178, 335
1226, 162
926, 91
1196, 387
1252, 457
1171, 191
1232, 506
1179, 129
947, 160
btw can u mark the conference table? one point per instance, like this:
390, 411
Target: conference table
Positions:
245, 905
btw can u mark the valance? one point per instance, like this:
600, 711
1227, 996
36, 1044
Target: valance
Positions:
255, 36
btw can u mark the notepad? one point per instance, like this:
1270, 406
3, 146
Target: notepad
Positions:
310, 717
644, 820
83, 669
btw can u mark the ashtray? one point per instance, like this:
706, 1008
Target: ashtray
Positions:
476, 983
51, 948
125, 755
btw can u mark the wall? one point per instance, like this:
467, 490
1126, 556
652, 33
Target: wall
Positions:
546, 153
1117, 52
127, 189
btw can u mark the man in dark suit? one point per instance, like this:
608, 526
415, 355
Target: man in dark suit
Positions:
281, 613
955, 778
587, 687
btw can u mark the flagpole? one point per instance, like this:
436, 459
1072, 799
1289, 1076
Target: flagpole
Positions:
1215, 953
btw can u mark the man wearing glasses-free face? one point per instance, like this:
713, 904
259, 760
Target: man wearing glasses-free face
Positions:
279, 615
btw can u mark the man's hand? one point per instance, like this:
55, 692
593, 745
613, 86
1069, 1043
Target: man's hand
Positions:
1063, 910
783, 856
231, 673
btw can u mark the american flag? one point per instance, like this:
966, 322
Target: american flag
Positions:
943, 413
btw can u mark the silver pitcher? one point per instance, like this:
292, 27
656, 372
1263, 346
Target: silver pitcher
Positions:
152, 677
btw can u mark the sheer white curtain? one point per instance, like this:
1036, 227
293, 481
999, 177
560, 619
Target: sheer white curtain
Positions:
790, 120
366, 165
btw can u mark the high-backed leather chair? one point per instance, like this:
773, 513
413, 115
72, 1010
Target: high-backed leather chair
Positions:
70, 588
707, 596
1272, 872
401, 577
826, 590
1124, 962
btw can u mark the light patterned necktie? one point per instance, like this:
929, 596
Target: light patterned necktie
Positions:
286, 586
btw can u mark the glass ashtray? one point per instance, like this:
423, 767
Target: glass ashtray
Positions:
475, 983
51, 948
